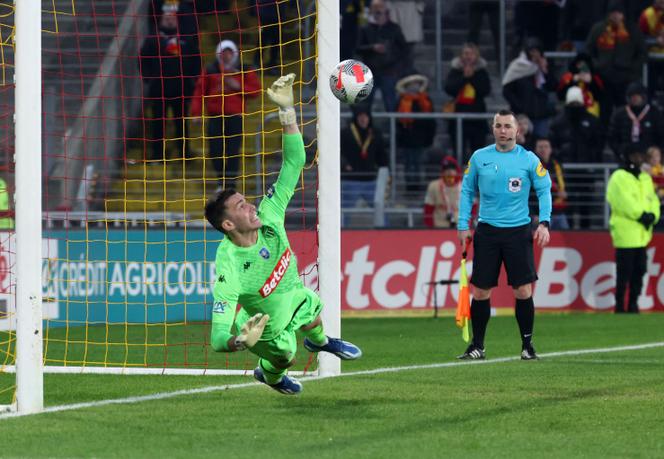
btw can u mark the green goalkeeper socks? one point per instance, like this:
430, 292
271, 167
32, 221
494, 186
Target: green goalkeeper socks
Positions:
316, 335
271, 373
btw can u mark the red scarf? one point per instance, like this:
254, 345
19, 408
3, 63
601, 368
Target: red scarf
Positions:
406, 106
612, 35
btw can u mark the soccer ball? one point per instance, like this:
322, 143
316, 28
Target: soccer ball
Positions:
351, 81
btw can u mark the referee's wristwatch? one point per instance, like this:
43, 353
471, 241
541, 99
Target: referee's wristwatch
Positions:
545, 224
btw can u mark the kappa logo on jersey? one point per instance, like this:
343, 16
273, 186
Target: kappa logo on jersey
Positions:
514, 184
270, 191
222, 278
219, 307
277, 274
264, 252
541, 170
247, 265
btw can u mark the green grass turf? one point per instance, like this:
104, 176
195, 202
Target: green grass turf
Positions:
590, 405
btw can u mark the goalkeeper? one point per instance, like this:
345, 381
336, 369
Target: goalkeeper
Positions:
256, 268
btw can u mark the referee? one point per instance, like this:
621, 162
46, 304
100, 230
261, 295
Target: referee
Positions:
503, 174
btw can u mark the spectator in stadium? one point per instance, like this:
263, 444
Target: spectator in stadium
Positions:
362, 154
636, 122
525, 136
383, 48
224, 88
442, 197
468, 83
503, 175
618, 52
528, 84
275, 304
651, 23
268, 14
581, 73
476, 11
409, 15
169, 63
414, 135
577, 137
185, 11
653, 166
635, 209
544, 151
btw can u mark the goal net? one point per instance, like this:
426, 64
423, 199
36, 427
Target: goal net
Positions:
140, 126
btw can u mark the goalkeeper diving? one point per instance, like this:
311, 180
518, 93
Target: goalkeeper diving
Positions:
256, 268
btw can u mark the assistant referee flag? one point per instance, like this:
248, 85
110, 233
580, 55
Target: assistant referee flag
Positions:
463, 303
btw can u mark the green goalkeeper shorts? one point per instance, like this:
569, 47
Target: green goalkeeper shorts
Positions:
281, 349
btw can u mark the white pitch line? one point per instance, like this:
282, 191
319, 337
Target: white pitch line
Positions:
203, 390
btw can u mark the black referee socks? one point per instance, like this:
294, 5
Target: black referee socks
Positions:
480, 312
525, 316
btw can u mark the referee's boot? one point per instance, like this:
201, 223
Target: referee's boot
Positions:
473, 353
342, 349
528, 353
287, 385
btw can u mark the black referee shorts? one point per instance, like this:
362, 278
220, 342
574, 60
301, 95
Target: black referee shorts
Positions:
493, 246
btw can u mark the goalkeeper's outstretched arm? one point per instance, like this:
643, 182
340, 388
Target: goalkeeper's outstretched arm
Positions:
294, 156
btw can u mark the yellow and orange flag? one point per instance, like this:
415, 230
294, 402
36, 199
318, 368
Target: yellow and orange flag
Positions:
463, 304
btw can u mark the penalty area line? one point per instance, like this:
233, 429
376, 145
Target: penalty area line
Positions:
217, 388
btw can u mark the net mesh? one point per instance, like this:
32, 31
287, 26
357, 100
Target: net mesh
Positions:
140, 128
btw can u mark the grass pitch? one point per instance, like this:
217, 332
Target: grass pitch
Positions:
606, 404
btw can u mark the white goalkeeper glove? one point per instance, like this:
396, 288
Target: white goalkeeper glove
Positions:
281, 93
251, 332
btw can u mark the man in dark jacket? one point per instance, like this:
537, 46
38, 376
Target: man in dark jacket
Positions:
169, 66
581, 73
469, 84
618, 51
186, 13
637, 122
362, 154
414, 135
383, 48
576, 136
528, 84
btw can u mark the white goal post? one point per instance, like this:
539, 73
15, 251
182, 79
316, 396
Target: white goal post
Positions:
329, 190
28, 199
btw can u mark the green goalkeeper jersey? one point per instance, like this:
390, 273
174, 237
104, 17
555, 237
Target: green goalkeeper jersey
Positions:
264, 277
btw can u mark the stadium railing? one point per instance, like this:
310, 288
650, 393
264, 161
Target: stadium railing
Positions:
403, 208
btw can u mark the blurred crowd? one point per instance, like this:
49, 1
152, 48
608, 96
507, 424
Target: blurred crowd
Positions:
590, 111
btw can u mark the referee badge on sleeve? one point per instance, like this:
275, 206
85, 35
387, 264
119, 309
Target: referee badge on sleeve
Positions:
514, 184
541, 170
